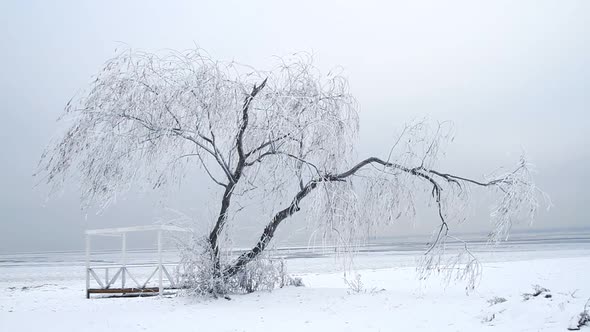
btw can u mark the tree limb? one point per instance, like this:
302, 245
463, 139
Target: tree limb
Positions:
420, 172
267, 143
247, 102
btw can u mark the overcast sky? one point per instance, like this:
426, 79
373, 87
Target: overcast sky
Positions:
511, 75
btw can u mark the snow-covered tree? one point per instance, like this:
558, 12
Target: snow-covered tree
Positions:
148, 118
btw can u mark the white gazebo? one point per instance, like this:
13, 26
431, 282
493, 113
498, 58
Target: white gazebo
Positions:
109, 285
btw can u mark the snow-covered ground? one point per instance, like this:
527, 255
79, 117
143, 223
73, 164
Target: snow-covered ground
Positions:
46, 293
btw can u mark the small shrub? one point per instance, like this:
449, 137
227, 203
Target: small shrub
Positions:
355, 285
294, 281
537, 290
496, 300
583, 319
489, 318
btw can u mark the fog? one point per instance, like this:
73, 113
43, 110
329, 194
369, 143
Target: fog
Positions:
512, 76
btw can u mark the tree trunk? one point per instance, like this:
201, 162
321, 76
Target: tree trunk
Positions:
221, 219
269, 231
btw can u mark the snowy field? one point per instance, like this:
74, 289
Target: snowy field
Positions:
45, 292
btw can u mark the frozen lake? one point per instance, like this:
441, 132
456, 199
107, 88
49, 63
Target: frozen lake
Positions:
45, 291
379, 253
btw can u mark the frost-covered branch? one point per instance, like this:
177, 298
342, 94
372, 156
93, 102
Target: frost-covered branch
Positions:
508, 184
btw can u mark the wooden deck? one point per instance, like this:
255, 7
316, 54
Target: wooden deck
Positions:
123, 291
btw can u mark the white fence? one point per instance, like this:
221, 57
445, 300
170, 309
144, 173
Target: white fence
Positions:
124, 270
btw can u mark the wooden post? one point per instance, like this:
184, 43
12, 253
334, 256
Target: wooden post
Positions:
124, 259
87, 265
160, 283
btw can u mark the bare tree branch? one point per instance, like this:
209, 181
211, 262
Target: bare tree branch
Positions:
247, 102
267, 143
419, 172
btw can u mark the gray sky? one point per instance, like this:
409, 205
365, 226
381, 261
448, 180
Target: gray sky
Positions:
512, 75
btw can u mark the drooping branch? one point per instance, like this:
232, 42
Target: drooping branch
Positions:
203, 164
420, 172
183, 134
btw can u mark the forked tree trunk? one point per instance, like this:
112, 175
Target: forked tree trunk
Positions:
269, 232
233, 179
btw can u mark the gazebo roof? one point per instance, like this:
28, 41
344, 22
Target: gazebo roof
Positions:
122, 230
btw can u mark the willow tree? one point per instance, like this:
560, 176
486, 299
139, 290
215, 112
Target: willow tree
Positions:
148, 118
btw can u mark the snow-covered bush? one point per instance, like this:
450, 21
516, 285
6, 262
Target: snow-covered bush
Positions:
199, 276
263, 273
197, 273
496, 300
355, 285
537, 290
583, 319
